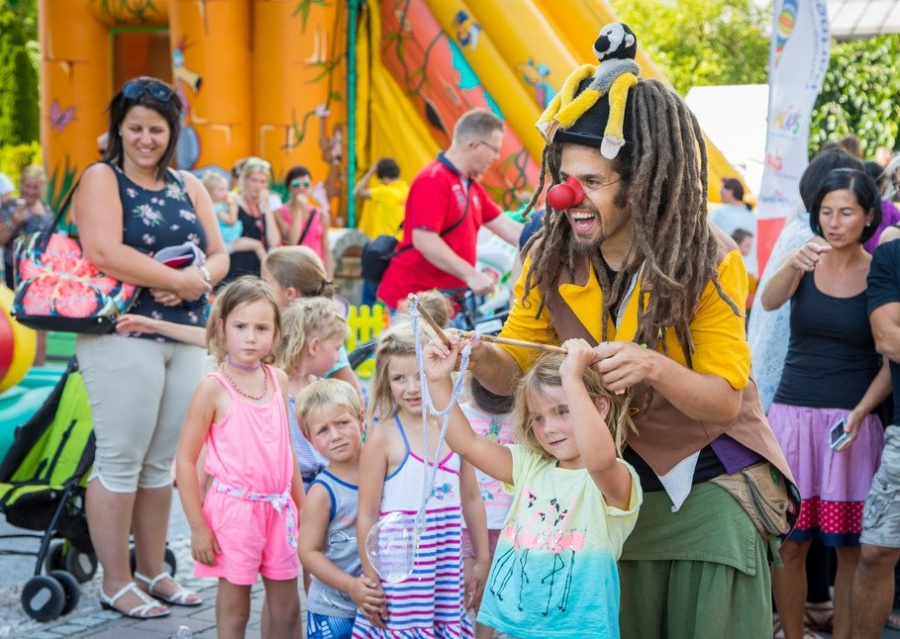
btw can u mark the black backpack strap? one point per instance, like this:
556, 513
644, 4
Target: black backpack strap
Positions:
447, 230
313, 212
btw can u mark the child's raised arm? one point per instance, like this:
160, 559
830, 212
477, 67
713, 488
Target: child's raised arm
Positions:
373, 465
489, 457
592, 436
365, 592
200, 416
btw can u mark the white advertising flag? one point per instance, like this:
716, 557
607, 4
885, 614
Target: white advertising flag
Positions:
798, 60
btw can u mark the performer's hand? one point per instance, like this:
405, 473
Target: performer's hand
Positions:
623, 364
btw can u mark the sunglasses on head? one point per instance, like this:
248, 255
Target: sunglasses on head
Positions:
298, 183
134, 89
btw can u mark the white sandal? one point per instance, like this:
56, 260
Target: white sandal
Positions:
141, 611
179, 598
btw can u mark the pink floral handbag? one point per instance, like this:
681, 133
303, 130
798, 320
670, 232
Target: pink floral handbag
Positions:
59, 289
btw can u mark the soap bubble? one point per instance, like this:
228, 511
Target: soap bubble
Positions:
391, 547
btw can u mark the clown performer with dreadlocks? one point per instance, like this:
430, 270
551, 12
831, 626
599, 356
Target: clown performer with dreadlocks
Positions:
628, 261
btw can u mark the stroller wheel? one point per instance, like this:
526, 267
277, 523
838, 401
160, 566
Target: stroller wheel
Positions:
43, 598
55, 559
81, 565
170, 564
71, 588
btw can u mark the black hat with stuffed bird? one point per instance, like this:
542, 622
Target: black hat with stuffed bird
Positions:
590, 108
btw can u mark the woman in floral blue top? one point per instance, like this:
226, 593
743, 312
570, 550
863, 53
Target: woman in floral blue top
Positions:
127, 208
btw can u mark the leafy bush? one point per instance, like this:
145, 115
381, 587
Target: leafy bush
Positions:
859, 95
14, 158
19, 113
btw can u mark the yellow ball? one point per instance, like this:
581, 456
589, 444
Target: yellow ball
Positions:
18, 344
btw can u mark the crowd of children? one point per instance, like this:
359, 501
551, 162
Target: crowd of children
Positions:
273, 471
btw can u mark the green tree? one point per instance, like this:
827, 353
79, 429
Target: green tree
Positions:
860, 94
701, 42
19, 115
26, 13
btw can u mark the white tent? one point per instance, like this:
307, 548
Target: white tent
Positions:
863, 18
734, 118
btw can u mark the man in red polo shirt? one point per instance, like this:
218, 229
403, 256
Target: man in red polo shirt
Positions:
445, 195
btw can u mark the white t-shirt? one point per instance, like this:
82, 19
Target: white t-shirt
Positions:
731, 217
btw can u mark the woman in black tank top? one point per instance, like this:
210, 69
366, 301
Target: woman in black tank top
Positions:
139, 385
256, 213
831, 374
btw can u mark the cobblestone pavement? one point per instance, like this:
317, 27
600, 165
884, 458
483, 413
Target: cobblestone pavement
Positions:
89, 620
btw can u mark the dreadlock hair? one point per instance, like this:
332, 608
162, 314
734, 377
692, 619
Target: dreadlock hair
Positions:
663, 172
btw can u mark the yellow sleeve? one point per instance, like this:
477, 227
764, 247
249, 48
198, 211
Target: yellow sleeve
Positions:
382, 194
522, 323
720, 344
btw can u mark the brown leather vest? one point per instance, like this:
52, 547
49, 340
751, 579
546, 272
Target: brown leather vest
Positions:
665, 435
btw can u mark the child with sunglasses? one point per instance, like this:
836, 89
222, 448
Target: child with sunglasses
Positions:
300, 222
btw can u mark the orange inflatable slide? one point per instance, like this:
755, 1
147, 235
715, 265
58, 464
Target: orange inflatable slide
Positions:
329, 84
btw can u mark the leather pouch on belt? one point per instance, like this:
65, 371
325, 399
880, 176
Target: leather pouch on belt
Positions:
762, 492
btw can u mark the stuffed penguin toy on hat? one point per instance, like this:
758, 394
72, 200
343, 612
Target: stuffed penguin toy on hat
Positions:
615, 48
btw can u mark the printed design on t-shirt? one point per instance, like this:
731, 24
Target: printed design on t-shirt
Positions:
544, 531
147, 214
338, 537
442, 492
493, 432
152, 216
175, 192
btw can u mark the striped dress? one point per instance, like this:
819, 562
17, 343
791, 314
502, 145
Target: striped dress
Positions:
430, 603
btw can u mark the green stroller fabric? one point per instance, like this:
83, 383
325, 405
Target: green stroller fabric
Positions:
50, 456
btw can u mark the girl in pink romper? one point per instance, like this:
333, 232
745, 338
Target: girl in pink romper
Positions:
247, 523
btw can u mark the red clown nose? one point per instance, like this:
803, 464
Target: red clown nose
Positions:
566, 195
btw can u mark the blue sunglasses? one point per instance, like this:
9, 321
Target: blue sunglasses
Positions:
134, 89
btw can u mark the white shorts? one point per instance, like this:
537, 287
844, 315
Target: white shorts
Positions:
139, 390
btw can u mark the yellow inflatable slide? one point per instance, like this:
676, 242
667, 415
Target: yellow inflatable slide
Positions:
291, 80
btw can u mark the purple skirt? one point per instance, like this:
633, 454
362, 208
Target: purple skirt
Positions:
833, 485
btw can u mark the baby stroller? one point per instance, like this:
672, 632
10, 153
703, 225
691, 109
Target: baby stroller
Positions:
42, 486
42, 482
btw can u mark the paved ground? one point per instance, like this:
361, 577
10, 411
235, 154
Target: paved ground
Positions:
89, 620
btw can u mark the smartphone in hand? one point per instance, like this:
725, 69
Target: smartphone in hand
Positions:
839, 439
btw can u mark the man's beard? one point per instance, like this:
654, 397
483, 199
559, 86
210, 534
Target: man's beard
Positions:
588, 247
